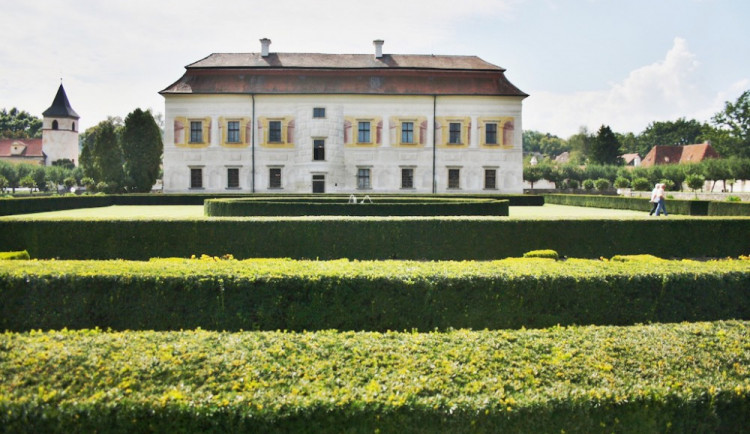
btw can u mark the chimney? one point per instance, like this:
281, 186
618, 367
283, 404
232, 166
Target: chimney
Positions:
264, 44
378, 43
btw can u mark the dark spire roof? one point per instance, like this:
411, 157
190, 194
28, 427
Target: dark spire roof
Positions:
60, 107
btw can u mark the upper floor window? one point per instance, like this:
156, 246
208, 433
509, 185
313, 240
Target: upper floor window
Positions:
196, 132
319, 112
319, 149
55, 125
233, 132
490, 134
274, 131
407, 132
363, 135
454, 137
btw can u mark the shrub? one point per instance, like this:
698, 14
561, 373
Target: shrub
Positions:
646, 378
695, 181
602, 184
15, 255
733, 199
102, 187
588, 184
621, 182
271, 294
573, 183
550, 254
641, 184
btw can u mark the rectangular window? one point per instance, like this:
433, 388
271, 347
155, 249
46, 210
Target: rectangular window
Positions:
233, 132
196, 132
196, 178
407, 132
455, 133
364, 132
233, 177
319, 184
274, 131
490, 179
453, 178
319, 150
274, 177
407, 178
363, 179
319, 112
490, 134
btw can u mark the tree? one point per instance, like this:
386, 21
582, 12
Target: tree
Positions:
108, 155
532, 174
40, 178
732, 135
606, 148
580, 145
142, 148
18, 124
695, 181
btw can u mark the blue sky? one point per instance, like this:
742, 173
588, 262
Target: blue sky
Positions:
622, 63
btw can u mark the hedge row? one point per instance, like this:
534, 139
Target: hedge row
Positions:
431, 238
26, 205
382, 206
655, 378
674, 206
173, 294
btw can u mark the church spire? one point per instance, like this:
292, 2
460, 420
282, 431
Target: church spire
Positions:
61, 106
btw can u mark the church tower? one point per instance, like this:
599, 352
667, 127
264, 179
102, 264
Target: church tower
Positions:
60, 130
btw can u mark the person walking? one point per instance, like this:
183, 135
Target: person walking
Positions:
654, 199
662, 203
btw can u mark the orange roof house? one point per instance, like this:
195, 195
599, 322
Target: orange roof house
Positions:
22, 151
679, 154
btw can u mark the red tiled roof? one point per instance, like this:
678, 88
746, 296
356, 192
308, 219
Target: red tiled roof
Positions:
679, 154
33, 148
289, 73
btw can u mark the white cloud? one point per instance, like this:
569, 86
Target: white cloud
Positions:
666, 90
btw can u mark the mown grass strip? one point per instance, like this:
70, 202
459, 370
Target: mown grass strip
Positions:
270, 294
690, 377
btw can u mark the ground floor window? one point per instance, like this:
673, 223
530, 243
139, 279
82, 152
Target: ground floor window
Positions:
490, 179
319, 183
319, 150
453, 178
363, 178
407, 177
196, 177
274, 177
233, 177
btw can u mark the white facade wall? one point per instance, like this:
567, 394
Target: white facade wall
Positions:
62, 142
342, 161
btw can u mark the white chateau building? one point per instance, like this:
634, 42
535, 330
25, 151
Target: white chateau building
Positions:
342, 123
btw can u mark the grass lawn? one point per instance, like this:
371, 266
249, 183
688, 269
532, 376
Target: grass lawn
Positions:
548, 211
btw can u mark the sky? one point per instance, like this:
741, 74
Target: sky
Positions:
584, 63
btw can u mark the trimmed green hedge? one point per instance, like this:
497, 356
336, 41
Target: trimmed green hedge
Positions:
674, 206
432, 238
640, 379
379, 206
15, 255
173, 294
26, 205
728, 208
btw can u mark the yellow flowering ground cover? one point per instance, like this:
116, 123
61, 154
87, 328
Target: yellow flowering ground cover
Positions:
688, 377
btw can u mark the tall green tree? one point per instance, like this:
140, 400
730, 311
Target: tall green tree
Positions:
103, 159
19, 124
142, 149
606, 148
580, 145
731, 137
